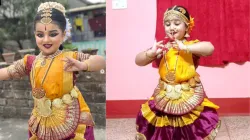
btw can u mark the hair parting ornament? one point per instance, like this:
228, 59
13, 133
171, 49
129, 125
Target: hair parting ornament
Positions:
46, 15
46, 9
50, 5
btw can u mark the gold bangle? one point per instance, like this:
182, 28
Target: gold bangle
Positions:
187, 49
151, 58
86, 62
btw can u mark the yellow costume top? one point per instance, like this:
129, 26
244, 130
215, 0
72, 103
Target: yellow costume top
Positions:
63, 110
184, 68
57, 82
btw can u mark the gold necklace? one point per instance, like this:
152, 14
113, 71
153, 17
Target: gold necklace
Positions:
170, 76
39, 92
43, 63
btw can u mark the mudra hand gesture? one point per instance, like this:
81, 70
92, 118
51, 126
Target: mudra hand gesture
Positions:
181, 46
156, 50
74, 65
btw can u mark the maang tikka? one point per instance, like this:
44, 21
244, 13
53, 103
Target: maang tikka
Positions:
46, 16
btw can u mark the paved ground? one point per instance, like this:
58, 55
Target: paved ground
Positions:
232, 128
16, 129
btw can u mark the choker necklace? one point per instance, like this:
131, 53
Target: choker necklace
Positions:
43, 57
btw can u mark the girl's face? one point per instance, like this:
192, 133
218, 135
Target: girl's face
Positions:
48, 37
175, 27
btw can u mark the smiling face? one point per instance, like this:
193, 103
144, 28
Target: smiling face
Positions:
175, 27
48, 37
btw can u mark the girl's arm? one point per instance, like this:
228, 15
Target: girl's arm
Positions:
200, 48
4, 74
16, 70
94, 63
143, 58
146, 57
85, 62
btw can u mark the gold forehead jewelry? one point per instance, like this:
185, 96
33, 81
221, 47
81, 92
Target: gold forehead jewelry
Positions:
180, 14
46, 9
46, 16
51, 5
182, 10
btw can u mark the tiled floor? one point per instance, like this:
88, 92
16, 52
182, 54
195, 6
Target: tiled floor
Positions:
232, 128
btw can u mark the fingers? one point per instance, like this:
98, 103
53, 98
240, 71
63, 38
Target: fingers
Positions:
178, 41
158, 51
69, 59
69, 63
160, 42
159, 56
68, 66
157, 45
180, 44
64, 59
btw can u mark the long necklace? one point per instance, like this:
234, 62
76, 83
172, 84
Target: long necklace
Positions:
39, 92
170, 76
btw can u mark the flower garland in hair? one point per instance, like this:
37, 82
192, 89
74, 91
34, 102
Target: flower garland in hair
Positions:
67, 29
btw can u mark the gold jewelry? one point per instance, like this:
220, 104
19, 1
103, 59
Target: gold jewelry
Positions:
170, 76
180, 12
46, 8
50, 5
46, 16
87, 63
187, 49
39, 92
43, 63
171, 13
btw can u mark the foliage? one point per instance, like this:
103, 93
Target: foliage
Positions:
69, 47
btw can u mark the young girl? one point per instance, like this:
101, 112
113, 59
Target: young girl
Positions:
178, 109
60, 111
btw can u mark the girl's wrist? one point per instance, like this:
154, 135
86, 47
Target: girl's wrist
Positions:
148, 56
187, 48
86, 65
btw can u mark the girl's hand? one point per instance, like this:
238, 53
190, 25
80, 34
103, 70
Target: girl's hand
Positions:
156, 50
181, 46
74, 65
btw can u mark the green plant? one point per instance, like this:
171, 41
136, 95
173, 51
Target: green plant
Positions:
69, 47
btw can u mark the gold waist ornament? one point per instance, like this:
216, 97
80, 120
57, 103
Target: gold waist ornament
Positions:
44, 104
178, 98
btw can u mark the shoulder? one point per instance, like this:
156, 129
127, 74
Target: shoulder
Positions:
70, 54
29, 58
